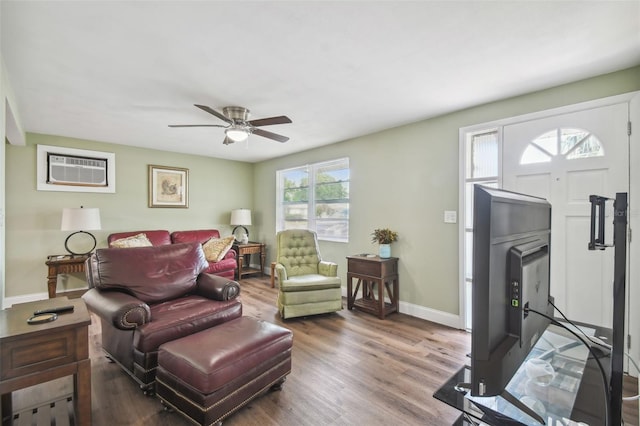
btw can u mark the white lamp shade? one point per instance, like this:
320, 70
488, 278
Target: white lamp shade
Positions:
241, 217
80, 219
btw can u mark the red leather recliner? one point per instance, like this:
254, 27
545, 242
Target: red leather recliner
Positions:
146, 296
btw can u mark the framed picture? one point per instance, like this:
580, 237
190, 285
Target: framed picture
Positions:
168, 186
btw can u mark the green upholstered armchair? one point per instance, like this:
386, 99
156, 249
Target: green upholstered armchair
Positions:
307, 284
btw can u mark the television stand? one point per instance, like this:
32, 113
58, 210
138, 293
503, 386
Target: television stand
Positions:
507, 396
585, 403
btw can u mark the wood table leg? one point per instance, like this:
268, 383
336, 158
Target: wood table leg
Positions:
381, 299
82, 393
52, 281
7, 409
350, 296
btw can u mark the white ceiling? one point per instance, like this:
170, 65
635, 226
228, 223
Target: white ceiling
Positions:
121, 71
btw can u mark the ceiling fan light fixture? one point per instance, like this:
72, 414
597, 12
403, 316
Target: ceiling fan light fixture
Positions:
239, 127
237, 134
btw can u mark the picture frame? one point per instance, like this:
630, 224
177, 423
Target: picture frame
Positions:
168, 187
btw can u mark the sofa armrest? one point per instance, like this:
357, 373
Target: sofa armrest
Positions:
216, 287
122, 310
328, 269
231, 254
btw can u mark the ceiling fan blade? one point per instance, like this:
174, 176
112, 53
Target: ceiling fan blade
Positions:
214, 112
283, 119
270, 135
196, 125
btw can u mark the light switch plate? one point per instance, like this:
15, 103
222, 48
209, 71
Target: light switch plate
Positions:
450, 216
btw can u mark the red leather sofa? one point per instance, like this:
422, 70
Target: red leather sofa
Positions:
225, 267
147, 296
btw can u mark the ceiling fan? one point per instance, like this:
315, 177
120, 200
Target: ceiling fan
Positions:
238, 128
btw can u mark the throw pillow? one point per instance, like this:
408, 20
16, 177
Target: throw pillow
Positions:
216, 248
139, 240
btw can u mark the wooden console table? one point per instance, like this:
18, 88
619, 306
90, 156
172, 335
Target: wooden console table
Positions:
34, 354
373, 272
244, 258
62, 265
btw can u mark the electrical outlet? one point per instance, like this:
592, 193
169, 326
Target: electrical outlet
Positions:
450, 216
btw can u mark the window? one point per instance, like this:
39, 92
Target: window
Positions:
316, 197
482, 167
569, 143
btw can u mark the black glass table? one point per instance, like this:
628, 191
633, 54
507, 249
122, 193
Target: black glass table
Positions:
560, 380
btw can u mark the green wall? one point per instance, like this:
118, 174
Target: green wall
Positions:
402, 178
405, 178
33, 217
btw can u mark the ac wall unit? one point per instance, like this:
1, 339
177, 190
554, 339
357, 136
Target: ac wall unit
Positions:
75, 170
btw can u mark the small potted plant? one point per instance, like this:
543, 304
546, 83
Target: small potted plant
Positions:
384, 237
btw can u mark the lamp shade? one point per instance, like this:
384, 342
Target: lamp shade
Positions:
241, 217
80, 219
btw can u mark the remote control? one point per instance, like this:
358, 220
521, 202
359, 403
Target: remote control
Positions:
58, 310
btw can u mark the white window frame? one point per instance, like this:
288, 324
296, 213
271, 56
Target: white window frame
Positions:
311, 170
465, 136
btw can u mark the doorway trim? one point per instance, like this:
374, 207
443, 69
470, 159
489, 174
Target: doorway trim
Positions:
465, 132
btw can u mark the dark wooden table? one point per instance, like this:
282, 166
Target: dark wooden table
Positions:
62, 265
244, 258
374, 275
34, 354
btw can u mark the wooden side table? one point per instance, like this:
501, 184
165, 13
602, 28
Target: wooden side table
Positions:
244, 258
373, 272
62, 265
34, 354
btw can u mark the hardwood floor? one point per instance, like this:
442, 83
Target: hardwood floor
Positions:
349, 368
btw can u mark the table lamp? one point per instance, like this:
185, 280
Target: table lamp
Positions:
241, 218
80, 220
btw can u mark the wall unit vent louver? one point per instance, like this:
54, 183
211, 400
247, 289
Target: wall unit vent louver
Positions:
78, 171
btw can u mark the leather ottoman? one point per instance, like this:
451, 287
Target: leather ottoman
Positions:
209, 375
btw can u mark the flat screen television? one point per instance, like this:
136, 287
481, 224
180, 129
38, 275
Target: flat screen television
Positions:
511, 265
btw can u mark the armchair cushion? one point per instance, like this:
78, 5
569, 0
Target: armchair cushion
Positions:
309, 282
152, 274
181, 317
298, 252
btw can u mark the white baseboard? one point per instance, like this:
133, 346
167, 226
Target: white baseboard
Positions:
10, 301
433, 315
440, 317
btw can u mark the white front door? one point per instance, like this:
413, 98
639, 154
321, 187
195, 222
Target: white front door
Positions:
566, 158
